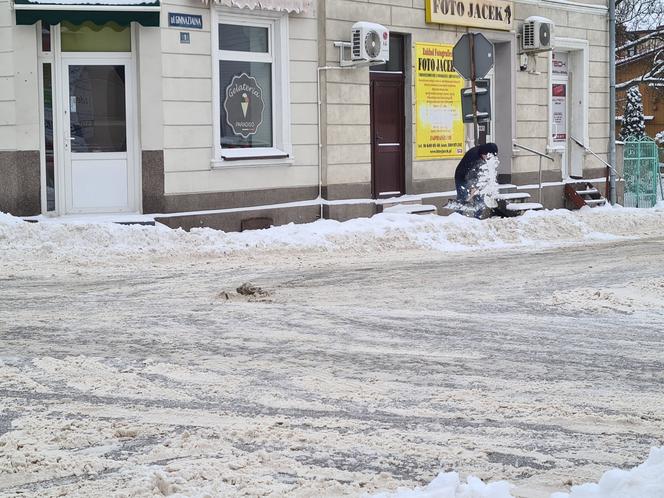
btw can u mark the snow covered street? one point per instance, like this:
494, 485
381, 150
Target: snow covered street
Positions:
371, 355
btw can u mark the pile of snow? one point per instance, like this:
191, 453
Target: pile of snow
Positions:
644, 294
487, 181
387, 231
448, 485
8, 219
644, 481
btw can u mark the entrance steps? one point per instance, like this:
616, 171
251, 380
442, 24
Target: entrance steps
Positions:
404, 204
82, 219
512, 203
583, 194
410, 208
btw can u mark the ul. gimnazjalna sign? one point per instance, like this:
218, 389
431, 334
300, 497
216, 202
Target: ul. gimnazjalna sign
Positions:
244, 105
491, 14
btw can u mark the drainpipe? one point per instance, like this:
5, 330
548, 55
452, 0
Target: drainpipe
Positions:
612, 99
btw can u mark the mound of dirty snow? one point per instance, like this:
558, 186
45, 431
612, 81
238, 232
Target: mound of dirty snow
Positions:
448, 485
381, 232
635, 296
644, 481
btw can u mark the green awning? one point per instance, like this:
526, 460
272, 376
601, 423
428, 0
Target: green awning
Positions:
121, 12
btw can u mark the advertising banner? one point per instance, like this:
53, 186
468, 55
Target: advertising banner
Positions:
439, 129
559, 112
492, 14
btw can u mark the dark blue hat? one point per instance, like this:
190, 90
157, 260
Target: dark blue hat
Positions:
488, 148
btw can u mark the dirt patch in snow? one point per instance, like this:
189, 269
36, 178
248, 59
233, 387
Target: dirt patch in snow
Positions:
640, 295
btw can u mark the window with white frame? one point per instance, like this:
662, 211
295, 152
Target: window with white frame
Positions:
251, 73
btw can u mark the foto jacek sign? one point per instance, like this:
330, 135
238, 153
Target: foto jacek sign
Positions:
491, 14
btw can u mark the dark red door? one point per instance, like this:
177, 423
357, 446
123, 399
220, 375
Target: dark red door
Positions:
387, 133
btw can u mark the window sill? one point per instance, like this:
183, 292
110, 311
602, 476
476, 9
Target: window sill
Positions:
243, 158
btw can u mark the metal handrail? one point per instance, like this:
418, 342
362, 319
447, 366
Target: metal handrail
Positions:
609, 168
541, 155
587, 149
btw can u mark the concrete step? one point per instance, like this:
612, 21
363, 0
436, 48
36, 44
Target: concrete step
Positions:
512, 196
118, 219
523, 206
506, 186
411, 209
589, 191
395, 201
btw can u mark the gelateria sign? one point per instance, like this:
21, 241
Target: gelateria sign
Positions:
244, 105
491, 14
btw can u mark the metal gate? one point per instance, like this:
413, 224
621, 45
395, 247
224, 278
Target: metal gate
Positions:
641, 164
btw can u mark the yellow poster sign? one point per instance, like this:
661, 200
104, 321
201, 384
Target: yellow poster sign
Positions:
439, 129
492, 14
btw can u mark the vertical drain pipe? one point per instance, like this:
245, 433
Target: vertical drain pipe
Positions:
612, 100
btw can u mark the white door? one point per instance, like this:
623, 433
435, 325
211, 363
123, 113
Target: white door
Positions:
98, 148
560, 121
559, 109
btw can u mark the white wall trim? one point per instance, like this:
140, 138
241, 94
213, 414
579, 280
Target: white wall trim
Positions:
583, 8
58, 122
279, 56
137, 180
59, 60
43, 58
571, 45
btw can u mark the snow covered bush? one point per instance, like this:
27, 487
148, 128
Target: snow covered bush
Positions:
659, 139
633, 124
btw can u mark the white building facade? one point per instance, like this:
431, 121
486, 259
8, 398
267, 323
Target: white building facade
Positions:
239, 115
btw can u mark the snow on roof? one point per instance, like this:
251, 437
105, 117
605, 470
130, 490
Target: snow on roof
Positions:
295, 6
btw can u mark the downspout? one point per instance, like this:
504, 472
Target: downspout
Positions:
612, 100
320, 140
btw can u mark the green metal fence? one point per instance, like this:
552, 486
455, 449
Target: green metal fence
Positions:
641, 172
660, 197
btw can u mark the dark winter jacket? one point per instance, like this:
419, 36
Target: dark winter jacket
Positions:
468, 167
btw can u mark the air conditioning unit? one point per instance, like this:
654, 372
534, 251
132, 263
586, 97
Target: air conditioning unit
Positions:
370, 42
537, 34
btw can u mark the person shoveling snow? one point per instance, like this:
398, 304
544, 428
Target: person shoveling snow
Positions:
476, 184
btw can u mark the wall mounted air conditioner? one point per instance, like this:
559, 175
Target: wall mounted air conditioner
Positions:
370, 42
537, 34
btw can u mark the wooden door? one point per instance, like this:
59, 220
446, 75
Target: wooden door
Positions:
387, 133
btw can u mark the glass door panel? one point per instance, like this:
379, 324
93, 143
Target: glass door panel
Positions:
97, 108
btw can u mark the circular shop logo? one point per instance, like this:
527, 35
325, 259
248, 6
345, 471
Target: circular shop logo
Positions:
244, 105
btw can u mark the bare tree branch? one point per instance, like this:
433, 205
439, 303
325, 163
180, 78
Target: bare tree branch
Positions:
653, 78
657, 34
